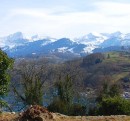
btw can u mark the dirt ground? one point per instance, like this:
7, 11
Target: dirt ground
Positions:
39, 113
60, 117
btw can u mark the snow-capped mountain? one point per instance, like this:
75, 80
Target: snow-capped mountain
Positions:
17, 44
92, 41
12, 40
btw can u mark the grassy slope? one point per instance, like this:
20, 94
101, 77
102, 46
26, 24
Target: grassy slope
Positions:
120, 59
116, 67
117, 57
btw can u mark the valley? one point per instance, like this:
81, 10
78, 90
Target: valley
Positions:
52, 64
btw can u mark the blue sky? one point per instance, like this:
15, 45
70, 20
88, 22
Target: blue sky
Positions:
64, 18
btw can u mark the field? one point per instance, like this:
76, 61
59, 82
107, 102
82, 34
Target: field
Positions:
60, 117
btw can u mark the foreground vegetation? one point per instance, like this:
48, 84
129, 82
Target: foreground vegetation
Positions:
69, 87
5, 64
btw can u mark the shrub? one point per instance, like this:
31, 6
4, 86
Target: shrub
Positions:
58, 106
78, 109
67, 109
112, 106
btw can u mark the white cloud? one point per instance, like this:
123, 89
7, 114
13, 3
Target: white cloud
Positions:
113, 8
65, 21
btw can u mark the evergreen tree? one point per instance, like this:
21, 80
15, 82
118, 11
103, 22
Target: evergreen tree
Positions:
65, 89
5, 64
64, 103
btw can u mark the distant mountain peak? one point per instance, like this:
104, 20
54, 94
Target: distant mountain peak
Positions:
15, 36
116, 34
94, 34
12, 40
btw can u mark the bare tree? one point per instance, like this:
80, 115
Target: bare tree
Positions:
29, 79
74, 71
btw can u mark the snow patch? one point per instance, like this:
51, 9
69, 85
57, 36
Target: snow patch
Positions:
62, 49
71, 50
89, 49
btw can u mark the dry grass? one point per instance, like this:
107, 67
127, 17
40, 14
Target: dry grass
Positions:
60, 117
8, 117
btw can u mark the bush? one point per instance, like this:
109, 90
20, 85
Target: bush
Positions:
112, 106
78, 109
58, 106
109, 102
67, 109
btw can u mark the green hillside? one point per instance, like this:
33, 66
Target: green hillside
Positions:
122, 61
112, 67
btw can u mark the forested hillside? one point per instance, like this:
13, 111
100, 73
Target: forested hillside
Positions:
90, 71
78, 84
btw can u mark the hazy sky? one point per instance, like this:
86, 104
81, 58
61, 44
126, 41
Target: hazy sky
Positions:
60, 18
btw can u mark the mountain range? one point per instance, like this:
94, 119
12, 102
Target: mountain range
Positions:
16, 45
